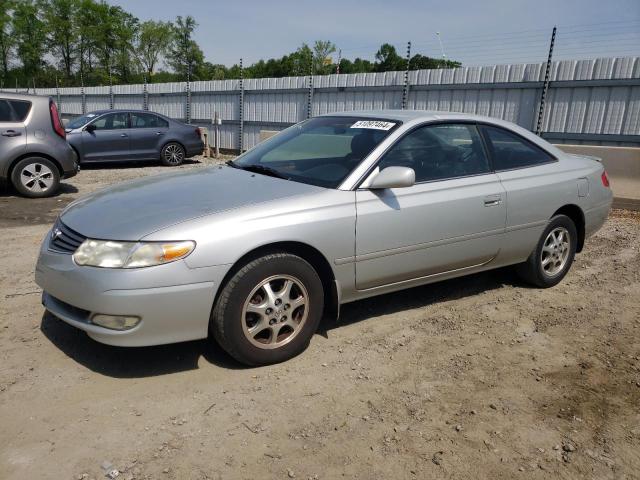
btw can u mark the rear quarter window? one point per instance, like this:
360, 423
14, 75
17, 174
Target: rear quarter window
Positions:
21, 109
14, 110
510, 151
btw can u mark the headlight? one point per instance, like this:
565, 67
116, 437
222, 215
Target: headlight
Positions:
109, 254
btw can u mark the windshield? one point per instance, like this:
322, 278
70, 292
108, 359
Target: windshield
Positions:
81, 121
321, 151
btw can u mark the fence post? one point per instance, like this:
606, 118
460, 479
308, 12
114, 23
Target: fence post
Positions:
216, 134
111, 102
405, 90
241, 110
84, 97
188, 104
545, 86
145, 95
310, 93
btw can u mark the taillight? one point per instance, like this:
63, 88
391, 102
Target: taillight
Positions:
55, 120
605, 179
198, 133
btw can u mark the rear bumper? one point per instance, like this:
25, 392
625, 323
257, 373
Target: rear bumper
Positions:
595, 217
173, 301
69, 163
194, 149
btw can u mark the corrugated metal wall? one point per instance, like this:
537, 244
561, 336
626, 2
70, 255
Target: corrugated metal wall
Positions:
589, 101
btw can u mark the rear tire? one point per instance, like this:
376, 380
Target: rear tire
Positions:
552, 258
35, 177
172, 154
269, 310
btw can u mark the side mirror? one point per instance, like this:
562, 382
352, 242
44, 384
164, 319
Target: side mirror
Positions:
393, 177
90, 128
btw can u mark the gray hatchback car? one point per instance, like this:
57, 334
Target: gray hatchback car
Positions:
120, 135
34, 153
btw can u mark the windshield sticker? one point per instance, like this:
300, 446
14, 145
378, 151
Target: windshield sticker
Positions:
374, 124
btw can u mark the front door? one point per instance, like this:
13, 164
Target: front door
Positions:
452, 218
109, 140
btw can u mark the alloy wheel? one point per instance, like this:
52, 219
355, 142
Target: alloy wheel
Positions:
555, 251
36, 177
173, 154
275, 311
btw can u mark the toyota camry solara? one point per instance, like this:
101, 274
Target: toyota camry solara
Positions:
334, 209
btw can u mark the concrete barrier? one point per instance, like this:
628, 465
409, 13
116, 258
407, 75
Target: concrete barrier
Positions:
623, 168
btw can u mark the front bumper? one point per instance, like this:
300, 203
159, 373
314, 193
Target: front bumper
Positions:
173, 301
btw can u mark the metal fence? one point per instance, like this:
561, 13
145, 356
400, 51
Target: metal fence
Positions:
588, 101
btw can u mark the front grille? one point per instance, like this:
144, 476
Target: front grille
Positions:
64, 240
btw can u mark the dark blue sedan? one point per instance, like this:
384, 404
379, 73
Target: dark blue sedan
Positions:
120, 135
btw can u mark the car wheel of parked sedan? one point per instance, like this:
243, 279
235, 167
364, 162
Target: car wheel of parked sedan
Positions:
172, 154
35, 177
269, 310
550, 261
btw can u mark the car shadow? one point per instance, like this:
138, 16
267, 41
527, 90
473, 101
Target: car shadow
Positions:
132, 362
138, 362
425, 295
126, 164
7, 190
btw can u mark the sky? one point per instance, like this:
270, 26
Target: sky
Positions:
475, 32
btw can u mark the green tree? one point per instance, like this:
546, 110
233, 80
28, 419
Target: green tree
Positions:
184, 55
387, 59
6, 34
153, 42
30, 35
321, 59
62, 34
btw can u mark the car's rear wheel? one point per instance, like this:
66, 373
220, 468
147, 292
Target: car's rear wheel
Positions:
172, 154
269, 310
35, 177
552, 258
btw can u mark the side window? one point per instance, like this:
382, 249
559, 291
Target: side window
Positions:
510, 151
112, 121
438, 152
6, 114
147, 120
21, 109
162, 123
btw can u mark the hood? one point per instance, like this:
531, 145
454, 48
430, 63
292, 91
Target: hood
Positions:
132, 210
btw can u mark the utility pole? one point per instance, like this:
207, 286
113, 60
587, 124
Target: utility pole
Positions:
545, 86
444, 57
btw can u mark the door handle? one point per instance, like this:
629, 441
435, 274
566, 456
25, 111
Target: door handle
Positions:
159, 133
492, 201
123, 135
11, 133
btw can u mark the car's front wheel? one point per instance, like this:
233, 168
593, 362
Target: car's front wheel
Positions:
35, 177
552, 258
269, 310
172, 154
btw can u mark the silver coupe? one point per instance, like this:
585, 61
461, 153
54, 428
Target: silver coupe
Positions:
334, 209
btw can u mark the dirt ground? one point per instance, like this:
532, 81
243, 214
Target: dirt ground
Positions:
479, 377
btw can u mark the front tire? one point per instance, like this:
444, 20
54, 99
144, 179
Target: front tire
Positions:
269, 310
35, 177
172, 154
552, 258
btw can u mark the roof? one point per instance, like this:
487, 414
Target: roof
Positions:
123, 110
20, 96
408, 115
